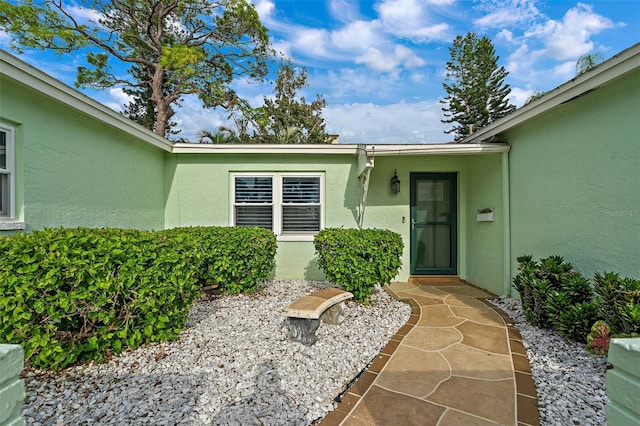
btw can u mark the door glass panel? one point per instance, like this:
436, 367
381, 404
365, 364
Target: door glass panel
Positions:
433, 200
433, 245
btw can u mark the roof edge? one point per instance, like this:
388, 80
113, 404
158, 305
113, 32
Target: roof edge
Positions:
609, 70
25, 74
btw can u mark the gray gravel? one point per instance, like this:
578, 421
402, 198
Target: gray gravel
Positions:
570, 381
232, 365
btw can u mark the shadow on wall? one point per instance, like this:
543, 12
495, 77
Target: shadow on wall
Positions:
312, 271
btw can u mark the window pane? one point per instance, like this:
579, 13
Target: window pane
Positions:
253, 190
4, 195
300, 218
300, 190
261, 216
3, 150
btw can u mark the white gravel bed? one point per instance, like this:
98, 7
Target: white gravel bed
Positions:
232, 365
570, 381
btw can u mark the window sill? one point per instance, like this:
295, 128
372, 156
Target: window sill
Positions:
295, 237
11, 225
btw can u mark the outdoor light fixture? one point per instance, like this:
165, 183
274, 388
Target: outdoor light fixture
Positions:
395, 183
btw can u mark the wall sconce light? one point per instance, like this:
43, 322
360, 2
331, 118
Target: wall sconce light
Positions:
395, 183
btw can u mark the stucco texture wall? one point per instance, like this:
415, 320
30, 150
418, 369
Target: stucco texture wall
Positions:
480, 245
199, 193
575, 181
72, 170
484, 246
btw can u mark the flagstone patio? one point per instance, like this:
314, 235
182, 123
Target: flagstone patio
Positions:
457, 361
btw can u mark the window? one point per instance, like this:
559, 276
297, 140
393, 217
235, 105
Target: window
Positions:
6, 173
288, 204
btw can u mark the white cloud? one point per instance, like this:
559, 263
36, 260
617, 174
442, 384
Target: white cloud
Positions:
566, 70
117, 99
84, 14
192, 118
391, 60
417, 122
344, 10
410, 19
507, 13
505, 35
519, 95
358, 36
571, 37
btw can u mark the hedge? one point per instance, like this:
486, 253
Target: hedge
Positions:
358, 259
72, 295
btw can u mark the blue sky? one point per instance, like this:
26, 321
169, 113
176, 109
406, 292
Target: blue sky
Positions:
380, 64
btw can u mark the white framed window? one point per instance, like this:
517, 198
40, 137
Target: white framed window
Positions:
7, 173
289, 204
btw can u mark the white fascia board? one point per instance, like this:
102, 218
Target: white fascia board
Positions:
616, 67
279, 149
436, 149
23, 73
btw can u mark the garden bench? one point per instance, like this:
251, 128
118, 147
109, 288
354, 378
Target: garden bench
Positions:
303, 315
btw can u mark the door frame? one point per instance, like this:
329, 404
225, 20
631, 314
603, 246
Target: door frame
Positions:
453, 222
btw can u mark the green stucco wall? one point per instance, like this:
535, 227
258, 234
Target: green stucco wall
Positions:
72, 170
484, 248
575, 181
480, 248
199, 193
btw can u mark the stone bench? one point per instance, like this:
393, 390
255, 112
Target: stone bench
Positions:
303, 315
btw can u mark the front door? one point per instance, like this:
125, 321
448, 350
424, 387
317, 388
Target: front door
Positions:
433, 224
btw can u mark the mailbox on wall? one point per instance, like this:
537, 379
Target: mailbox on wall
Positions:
486, 215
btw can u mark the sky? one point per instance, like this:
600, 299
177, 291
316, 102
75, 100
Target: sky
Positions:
380, 64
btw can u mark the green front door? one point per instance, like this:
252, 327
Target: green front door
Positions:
434, 233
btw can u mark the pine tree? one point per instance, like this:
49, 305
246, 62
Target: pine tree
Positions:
477, 94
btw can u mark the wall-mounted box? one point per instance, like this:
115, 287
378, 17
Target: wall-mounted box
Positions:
486, 215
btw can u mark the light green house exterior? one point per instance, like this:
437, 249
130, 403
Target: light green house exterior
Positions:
560, 176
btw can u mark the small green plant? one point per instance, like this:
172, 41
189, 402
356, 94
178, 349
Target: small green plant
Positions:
358, 259
619, 301
599, 338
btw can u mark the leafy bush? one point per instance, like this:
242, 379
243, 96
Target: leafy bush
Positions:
535, 281
70, 295
619, 300
555, 296
235, 259
358, 259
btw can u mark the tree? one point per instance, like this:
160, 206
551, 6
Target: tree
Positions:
587, 62
285, 118
477, 94
170, 48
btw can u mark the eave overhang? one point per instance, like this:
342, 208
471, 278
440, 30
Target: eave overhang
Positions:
618, 66
28, 76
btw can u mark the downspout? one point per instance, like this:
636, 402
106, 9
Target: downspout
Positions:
506, 207
365, 165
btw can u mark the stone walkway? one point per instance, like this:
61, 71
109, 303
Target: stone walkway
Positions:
457, 361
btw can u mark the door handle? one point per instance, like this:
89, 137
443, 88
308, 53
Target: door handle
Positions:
413, 223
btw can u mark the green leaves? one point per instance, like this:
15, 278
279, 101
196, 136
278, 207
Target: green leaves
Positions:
477, 94
357, 259
92, 292
555, 296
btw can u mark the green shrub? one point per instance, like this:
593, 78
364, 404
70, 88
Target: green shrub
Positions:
576, 321
70, 295
358, 259
619, 301
235, 259
548, 288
